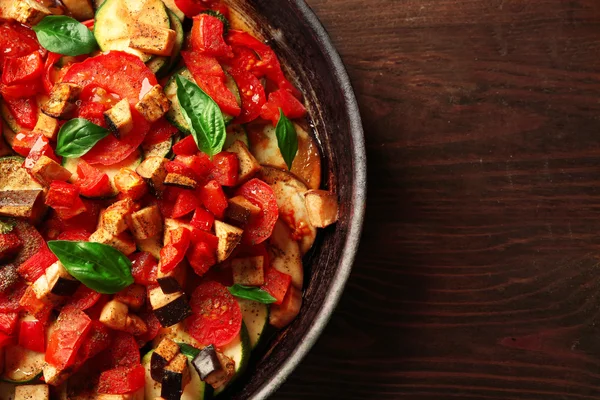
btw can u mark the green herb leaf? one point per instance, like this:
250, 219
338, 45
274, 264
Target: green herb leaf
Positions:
203, 116
189, 351
7, 225
251, 293
65, 35
98, 266
287, 139
77, 137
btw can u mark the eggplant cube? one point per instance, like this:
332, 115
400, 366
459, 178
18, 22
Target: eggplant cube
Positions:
176, 376
229, 237
180, 181
322, 207
154, 170
46, 170
62, 100
114, 315
154, 104
166, 351
170, 308
248, 271
241, 210
119, 119
172, 282
29, 12
59, 280
207, 362
146, 223
249, 166
31, 392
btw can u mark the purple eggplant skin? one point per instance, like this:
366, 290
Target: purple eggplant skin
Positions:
172, 385
169, 285
65, 287
207, 362
174, 312
157, 367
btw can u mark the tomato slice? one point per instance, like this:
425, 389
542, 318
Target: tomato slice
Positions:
93, 182
252, 94
65, 340
153, 328
291, 107
122, 380
207, 36
216, 318
260, 194
83, 299
160, 131
16, 40
123, 352
144, 268
25, 111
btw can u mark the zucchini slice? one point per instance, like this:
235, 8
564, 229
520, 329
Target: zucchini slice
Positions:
256, 319
162, 149
131, 162
175, 116
114, 17
176, 54
239, 351
22, 365
194, 390
171, 6
234, 133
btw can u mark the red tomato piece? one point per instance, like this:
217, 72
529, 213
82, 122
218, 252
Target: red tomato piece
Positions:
153, 328
122, 380
64, 199
160, 131
36, 265
207, 36
40, 148
209, 76
191, 8
5, 340
252, 94
65, 340
75, 235
83, 299
87, 220
32, 335
123, 352
98, 339
24, 142
144, 268
10, 244
93, 182
177, 243
10, 300
201, 257
21, 90
186, 146
260, 194
291, 107
226, 168
214, 199
201, 236
186, 203
30, 303
16, 40
202, 220
24, 111
199, 163
22, 69
48, 78
244, 59
277, 284
216, 318
93, 112
8, 322
176, 167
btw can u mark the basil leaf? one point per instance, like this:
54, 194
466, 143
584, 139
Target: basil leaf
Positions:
189, 351
98, 266
251, 293
203, 116
7, 225
287, 139
77, 137
65, 35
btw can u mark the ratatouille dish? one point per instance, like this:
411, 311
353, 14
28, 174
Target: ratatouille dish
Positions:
158, 190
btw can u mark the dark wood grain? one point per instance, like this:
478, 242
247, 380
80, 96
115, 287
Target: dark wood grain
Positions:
478, 273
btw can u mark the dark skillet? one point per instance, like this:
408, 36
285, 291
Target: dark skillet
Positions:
305, 48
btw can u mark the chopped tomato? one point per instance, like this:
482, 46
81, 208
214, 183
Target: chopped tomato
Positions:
191, 8
216, 318
244, 59
24, 111
202, 236
186, 146
153, 328
83, 299
49, 71
277, 284
24, 142
122, 380
209, 75
10, 300
16, 40
199, 163
8, 322
226, 168
86, 221
64, 199
75, 235
176, 245
21, 90
5, 340
252, 94
176, 167
66, 338
98, 339
30, 303
160, 131
32, 335
291, 107
10, 244
202, 220
186, 203
123, 352
207, 36
22, 69
201, 257
40, 148
214, 199
259, 229
92, 182
144, 268
93, 112
36, 265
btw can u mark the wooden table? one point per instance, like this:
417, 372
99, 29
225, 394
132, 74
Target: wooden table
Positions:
478, 276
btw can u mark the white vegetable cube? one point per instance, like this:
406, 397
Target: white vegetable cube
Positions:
62, 100
47, 170
32, 392
114, 315
248, 271
119, 119
152, 39
154, 170
249, 166
154, 104
114, 219
53, 376
146, 223
47, 126
29, 12
322, 207
123, 242
229, 237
